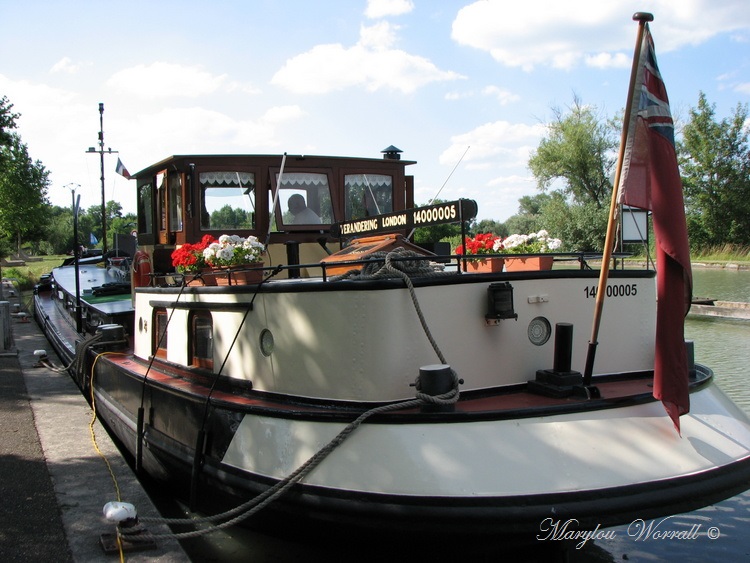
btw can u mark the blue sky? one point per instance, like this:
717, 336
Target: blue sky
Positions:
438, 79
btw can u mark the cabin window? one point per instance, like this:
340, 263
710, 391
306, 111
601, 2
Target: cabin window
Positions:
304, 199
201, 340
175, 202
160, 333
161, 187
367, 194
227, 200
146, 209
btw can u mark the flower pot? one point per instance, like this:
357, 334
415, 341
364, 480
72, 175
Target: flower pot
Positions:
193, 280
208, 276
477, 266
528, 263
240, 275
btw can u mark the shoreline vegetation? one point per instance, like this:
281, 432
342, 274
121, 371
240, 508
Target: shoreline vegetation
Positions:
29, 274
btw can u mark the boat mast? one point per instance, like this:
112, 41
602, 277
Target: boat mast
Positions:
101, 152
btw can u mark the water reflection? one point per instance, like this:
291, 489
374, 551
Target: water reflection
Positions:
721, 284
724, 346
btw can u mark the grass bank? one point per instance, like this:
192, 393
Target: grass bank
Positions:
28, 275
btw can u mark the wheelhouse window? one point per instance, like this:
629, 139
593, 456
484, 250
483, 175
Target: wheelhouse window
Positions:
201, 339
160, 333
175, 201
161, 189
227, 200
366, 195
146, 209
304, 199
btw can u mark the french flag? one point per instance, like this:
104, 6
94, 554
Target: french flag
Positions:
121, 170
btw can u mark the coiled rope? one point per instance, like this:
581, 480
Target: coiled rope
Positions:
393, 264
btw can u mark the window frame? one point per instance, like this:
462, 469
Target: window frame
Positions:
194, 359
159, 344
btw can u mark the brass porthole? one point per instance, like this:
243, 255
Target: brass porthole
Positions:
266, 342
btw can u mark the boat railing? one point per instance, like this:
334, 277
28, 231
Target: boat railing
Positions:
456, 262
449, 264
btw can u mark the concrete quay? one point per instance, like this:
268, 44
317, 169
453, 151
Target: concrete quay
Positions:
53, 483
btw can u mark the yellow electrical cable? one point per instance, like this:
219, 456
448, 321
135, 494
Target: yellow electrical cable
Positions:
96, 446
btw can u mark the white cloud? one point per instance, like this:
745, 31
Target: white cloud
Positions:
494, 169
384, 8
496, 145
503, 96
282, 114
378, 37
160, 80
371, 64
608, 60
67, 66
552, 33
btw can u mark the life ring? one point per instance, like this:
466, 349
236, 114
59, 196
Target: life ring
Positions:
141, 269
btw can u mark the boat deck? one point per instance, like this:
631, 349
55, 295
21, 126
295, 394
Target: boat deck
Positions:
92, 276
515, 401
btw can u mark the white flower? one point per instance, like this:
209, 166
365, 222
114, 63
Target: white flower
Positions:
225, 253
531, 243
515, 240
233, 250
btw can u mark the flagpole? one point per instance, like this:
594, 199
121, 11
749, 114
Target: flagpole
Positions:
642, 18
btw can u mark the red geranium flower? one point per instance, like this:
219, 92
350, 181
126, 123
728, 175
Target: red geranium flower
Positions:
483, 243
189, 257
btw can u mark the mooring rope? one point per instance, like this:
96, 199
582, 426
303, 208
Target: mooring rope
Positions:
392, 265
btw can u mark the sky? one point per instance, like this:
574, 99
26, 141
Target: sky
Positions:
464, 88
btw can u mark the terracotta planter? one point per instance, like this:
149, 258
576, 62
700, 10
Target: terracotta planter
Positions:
528, 263
240, 275
192, 281
208, 276
477, 266
199, 279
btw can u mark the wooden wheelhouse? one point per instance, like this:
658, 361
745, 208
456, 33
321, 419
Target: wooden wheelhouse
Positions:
185, 197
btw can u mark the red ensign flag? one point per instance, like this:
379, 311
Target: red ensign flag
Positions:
650, 179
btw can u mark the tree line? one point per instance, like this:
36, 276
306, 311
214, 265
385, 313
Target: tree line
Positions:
573, 166
26, 216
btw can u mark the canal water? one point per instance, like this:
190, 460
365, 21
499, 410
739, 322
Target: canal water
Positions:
721, 530
714, 533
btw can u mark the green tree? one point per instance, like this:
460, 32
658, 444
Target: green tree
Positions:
580, 151
59, 231
524, 223
529, 218
715, 164
23, 193
581, 226
228, 217
491, 226
533, 204
7, 123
